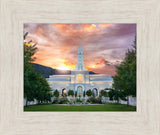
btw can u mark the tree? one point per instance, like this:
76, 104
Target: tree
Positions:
103, 93
43, 90
56, 93
83, 93
29, 73
70, 92
75, 93
35, 86
89, 92
116, 95
29, 87
108, 89
125, 79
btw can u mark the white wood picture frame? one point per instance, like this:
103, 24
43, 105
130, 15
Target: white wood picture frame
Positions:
14, 121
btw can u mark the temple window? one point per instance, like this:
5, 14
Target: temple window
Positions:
79, 78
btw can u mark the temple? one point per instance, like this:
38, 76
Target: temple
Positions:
80, 80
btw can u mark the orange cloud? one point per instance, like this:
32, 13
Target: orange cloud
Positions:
71, 30
105, 25
99, 62
65, 28
66, 65
58, 44
89, 27
60, 25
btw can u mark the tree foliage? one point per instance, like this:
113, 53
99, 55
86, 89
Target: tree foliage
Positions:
108, 88
56, 93
35, 86
89, 92
116, 95
103, 93
75, 93
125, 79
84, 93
70, 93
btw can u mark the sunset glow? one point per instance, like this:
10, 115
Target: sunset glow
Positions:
63, 68
104, 45
65, 65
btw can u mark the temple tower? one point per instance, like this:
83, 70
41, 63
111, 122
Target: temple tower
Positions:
80, 65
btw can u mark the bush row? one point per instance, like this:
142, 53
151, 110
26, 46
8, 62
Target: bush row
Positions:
60, 101
91, 100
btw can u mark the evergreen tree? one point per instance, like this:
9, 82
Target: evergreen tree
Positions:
103, 93
70, 92
84, 93
89, 92
125, 79
56, 93
75, 93
116, 95
35, 86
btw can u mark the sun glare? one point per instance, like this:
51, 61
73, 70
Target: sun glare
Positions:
63, 68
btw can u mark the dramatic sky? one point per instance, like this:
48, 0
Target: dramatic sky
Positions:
104, 45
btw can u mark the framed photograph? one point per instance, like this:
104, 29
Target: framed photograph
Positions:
79, 67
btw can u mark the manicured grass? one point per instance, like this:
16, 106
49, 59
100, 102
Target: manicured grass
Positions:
103, 107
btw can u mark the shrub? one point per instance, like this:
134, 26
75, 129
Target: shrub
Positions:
84, 94
76, 94
89, 92
63, 101
103, 93
55, 101
93, 94
56, 93
116, 95
94, 100
70, 93
99, 100
78, 100
72, 101
83, 100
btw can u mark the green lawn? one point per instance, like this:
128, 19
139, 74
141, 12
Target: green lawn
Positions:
103, 107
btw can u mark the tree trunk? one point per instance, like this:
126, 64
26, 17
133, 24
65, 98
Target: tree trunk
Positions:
26, 102
127, 100
117, 97
38, 102
118, 100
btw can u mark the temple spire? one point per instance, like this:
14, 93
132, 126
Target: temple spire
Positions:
80, 43
80, 65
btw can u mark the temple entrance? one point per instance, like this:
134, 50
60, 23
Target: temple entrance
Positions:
79, 91
95, 92
64, 92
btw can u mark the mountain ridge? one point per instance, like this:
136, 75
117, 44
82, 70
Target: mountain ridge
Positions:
47, 71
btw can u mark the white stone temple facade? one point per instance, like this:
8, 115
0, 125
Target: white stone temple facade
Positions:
80, 80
